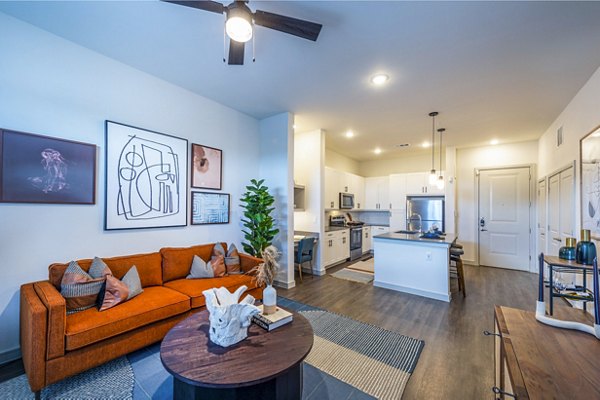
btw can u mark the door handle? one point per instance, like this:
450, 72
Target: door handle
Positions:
483, 230
557, 239
482, 222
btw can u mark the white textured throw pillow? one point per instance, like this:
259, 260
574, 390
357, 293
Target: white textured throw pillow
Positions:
200, 269
133, 282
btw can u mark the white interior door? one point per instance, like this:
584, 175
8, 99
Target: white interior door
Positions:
554, 215
504, 207
567, 205
541, 216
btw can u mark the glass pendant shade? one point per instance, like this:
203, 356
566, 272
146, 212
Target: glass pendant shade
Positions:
433, 177
440, 182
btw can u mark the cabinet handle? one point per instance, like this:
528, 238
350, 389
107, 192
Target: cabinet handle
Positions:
497, 390
358, 205
346, 189
390, 206
332, 204
343, 240
488, 333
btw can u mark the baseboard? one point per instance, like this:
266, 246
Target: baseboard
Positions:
10, 355
424, 293
285, 285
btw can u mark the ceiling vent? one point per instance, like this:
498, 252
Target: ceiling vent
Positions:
559, 136
403, 145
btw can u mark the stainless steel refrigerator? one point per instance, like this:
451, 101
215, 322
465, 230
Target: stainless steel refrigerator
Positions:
428, 211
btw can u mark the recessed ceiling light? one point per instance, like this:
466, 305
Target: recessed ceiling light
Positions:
425, 145
349, 134
494, 142
379, 79
377, 150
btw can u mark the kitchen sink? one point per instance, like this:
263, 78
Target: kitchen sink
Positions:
408, 232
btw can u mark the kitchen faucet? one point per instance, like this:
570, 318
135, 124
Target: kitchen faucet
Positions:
420, 221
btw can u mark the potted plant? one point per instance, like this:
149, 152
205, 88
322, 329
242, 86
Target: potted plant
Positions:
258, 205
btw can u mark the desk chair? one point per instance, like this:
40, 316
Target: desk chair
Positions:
305, 252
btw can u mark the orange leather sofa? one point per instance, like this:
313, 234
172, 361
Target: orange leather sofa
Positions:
55, 345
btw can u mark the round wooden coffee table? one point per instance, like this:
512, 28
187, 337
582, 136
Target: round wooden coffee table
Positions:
265, 365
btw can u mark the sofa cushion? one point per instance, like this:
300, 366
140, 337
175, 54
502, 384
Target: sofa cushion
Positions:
194, 287
176, 261
149, 268
154, 304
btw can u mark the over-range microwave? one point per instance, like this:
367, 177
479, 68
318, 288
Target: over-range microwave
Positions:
346, 200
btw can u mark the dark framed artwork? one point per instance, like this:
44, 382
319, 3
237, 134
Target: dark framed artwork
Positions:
146, 178
210, 208
590, 182
207, 167
43, 169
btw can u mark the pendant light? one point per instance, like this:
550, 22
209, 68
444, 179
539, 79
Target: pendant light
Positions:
432, 174
440, 179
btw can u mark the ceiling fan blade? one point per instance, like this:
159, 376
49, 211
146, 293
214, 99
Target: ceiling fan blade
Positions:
297, 27
236, 53
212, 6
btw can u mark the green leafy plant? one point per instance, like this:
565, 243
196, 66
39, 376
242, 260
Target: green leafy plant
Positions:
260, 230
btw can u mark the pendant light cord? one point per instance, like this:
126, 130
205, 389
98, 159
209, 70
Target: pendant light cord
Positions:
433, 143
441, 152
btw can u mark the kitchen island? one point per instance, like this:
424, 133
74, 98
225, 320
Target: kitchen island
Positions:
410, 264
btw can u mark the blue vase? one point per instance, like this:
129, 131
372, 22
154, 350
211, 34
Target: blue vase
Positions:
586, 249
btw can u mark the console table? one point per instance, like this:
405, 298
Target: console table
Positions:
265, 365
556, 264
537, 361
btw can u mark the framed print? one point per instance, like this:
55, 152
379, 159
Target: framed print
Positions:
210, 208
43, 169
207, 166
590, 182
146, 178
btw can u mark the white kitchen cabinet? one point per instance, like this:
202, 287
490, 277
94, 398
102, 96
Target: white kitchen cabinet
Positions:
377, 193
418, 183
336, 247
398, 220
357, 187
377, 230
398, 191
367, 242
332, 192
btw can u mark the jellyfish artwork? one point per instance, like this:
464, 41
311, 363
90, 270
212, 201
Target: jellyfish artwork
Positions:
56, 168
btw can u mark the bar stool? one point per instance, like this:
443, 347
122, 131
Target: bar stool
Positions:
456, 251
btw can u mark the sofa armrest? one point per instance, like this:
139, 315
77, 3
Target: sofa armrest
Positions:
33, 325
247, 262
57, 315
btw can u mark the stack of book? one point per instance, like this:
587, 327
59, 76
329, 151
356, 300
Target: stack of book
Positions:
272, 321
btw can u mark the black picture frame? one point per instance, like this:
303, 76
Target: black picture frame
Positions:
45, 169
146, 178
208, 208
206, 167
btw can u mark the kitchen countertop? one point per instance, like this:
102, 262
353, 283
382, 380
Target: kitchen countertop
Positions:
446, 241
335, 228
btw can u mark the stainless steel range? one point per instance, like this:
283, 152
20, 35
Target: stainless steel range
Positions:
355, 233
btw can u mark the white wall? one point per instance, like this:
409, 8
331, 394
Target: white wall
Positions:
408, 163
469, 159
53, 87
308, 171
276, 167
340, 162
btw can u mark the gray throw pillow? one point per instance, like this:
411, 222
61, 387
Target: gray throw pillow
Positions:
200, 269
99, 269
132, 280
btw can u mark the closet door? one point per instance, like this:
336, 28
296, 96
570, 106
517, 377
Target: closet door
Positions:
553, 237
541, 216
561, 209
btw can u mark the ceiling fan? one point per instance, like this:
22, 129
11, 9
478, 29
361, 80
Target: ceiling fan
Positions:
240, 21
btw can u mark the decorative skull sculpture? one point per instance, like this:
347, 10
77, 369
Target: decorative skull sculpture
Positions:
229, 320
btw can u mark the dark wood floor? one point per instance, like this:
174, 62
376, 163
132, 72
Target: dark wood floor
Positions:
457, 361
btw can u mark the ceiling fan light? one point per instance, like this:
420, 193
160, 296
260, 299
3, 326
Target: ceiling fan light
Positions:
239, 25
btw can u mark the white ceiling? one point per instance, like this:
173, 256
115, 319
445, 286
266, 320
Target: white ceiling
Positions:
499, 70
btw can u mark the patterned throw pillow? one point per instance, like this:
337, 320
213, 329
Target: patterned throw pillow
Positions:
99, 269
79, 289
200, 269
232, 261
218, 250
218, 266
118, 291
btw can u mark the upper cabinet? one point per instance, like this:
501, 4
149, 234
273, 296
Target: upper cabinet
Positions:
331, 188
357, 186
398, 191
418, 183
337, 182
377, 193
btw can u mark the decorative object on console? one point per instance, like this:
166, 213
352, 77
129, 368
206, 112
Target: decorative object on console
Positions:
146, 178
42, 169
568, 252
229, 318
210, 208
257, 203
265, 275
585, 252
207, 167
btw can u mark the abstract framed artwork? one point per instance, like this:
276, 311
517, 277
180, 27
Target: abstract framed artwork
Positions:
210, 208
590, 182
207, 167
43, 169
146, 178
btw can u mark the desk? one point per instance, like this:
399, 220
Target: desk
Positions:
556, 264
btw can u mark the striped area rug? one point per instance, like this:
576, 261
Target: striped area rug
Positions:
374, 360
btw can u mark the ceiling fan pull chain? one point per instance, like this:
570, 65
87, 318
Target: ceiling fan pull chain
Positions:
254, 47
224, 40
